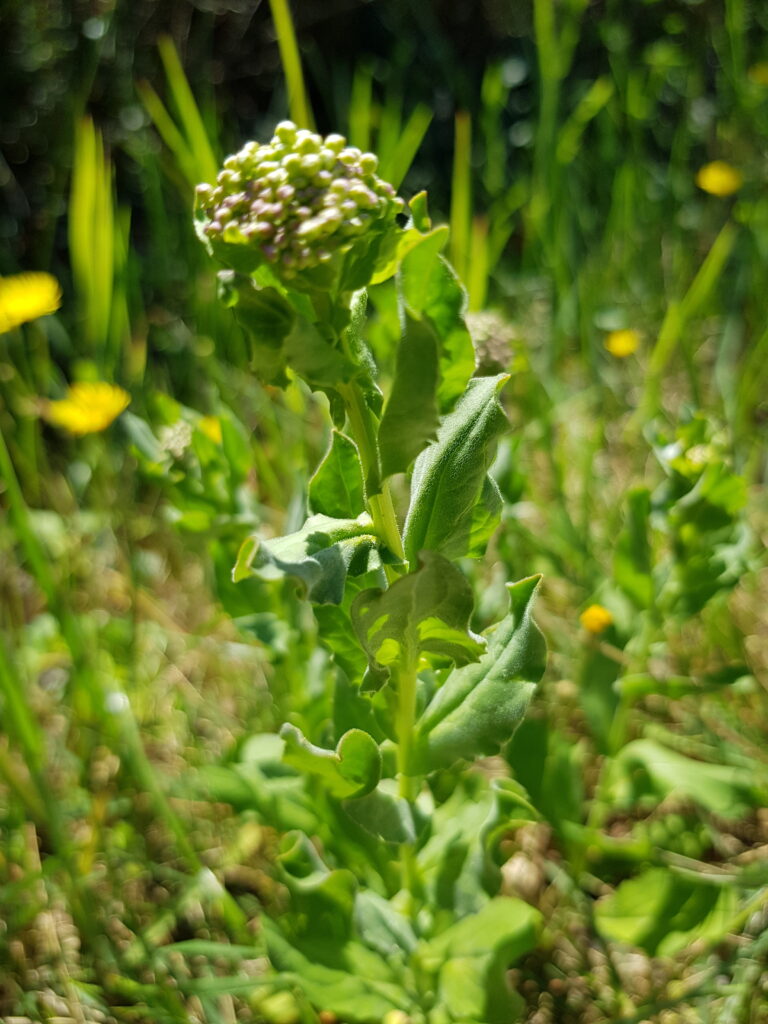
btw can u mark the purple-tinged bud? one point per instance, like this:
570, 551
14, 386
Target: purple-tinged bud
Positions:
323, 178
285, 193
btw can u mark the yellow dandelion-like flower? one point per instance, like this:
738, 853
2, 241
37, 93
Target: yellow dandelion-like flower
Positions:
719, 179
596, 619
26, 297
758, 73
211, 427
88, 408
623, 343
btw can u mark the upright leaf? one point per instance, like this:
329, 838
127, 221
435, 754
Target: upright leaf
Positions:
432, 290
336, 489
410, 417
426, 611
455, 506
479, 706
632, 560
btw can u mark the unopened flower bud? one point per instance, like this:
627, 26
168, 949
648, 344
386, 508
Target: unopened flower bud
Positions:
297, 200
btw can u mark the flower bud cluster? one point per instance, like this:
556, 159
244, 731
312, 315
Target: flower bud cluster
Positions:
298, 199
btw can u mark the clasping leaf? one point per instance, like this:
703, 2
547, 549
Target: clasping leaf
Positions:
319, 556
426, 611
479, 706
455, 506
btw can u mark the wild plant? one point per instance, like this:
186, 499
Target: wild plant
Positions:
390, 843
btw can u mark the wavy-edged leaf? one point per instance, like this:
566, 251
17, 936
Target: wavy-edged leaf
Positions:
479, 706
352, 769
455, 506
427, 611
319, 556
336, 489
410, 417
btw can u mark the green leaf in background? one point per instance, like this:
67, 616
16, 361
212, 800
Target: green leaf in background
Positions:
384, 815
319, 556
336, 489
722, 789
473, 956
632, 558
455, 506
425, 611
479, 706
320, 914
662, 913
355, 997
352, 769
410, 417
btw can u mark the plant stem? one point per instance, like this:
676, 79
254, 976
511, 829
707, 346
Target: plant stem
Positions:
380, 503
405, 723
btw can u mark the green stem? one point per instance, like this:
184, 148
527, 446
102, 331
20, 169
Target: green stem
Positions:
380, 504
405, 724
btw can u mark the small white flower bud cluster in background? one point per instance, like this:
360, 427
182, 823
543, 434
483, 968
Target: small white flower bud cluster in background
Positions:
298, 199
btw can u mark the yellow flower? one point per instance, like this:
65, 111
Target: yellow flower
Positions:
211, 427
26, 297
596, 619
623, 343
88, 407
719, 179
758, 73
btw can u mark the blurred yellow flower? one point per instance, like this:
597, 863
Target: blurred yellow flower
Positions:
211, 427
758, 73
596, 619
26, 297
719, 179
623, 343
88, 408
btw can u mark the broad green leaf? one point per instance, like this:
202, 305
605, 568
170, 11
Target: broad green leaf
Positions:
454, 504
632, 559
322, 900
384, 816
427, 611
319, 556
410, 417
381, 926
662, 912
505, 928
352, 769
336, 489
479, 706
470, 995
358, 998
722, 789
